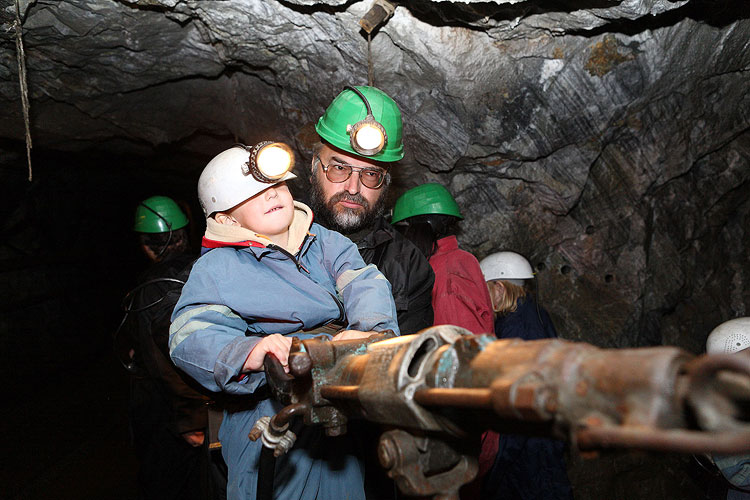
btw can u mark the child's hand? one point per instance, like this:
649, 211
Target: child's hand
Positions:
276, 344
352, 334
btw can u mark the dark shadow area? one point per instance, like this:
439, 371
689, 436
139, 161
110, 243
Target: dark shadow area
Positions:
704, 11
466, 15
460, 14
67, 256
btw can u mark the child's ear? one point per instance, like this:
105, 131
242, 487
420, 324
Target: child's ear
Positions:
227, 219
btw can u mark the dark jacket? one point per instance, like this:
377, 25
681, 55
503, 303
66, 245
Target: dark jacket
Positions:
149, 330
526, 467
408, 271
528, 322
165, 402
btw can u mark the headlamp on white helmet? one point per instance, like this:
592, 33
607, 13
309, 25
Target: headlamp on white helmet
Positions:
269, 161
241, 172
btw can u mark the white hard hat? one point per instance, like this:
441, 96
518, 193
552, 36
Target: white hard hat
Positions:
508, 266
227, 181
730, 336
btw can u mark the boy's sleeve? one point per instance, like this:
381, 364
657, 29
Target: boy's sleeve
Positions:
736, 469
207, 339
366, 292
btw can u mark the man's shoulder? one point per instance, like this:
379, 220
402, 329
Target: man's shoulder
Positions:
383, 233
402, 244
400, 254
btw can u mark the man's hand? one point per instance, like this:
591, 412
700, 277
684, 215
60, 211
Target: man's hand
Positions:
275, 344
194, 438
352, 334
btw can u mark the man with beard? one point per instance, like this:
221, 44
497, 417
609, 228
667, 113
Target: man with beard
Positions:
361, 140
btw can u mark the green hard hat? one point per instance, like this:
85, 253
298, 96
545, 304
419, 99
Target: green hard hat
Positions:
152, 215
348, 108
426, 199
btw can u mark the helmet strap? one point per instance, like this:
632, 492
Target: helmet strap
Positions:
169, 226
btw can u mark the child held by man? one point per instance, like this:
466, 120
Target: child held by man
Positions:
267, 274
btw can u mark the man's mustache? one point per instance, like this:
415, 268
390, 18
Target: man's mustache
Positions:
346, 196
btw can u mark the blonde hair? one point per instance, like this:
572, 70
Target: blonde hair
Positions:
509, 302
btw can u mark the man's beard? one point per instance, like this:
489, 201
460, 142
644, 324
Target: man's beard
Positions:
342, 219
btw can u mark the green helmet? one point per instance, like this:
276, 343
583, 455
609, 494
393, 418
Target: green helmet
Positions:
426, 199
153, 214
348, 108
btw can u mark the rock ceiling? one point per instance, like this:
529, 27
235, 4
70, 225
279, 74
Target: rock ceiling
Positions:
608, 140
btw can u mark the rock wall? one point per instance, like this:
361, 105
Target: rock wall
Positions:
609, 141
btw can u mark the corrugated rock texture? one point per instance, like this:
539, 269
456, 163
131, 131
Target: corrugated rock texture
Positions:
606, 140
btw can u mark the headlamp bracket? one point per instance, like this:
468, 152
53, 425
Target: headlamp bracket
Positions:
251, 167
368, 121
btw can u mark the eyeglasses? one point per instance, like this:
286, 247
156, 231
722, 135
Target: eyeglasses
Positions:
339, 172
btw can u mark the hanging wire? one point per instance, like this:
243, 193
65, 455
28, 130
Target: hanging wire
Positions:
127, 306
21, 58
370, 72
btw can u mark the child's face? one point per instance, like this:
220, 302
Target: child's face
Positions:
269, 212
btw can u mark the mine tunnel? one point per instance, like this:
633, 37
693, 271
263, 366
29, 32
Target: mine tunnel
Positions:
607, 141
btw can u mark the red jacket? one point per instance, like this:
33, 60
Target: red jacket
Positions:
460, 296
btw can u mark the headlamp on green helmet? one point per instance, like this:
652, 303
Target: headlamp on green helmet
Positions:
159, 214
364, 121
367, 137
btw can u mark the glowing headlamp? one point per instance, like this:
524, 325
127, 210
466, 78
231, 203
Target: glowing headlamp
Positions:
367, 137
269, 161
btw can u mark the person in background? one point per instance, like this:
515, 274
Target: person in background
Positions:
517, 314
268, 273
349, 185
168, 414
525, 467
732, 337
428, 215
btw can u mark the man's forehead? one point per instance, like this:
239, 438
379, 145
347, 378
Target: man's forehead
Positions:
361, 163
348, 159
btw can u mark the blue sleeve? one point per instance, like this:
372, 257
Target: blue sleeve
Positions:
736, 469
365, 291
207, 339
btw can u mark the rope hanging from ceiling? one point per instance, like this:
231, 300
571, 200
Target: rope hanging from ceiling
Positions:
21, 58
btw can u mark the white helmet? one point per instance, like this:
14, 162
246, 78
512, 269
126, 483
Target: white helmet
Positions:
507, 266
228, 180
730, 336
